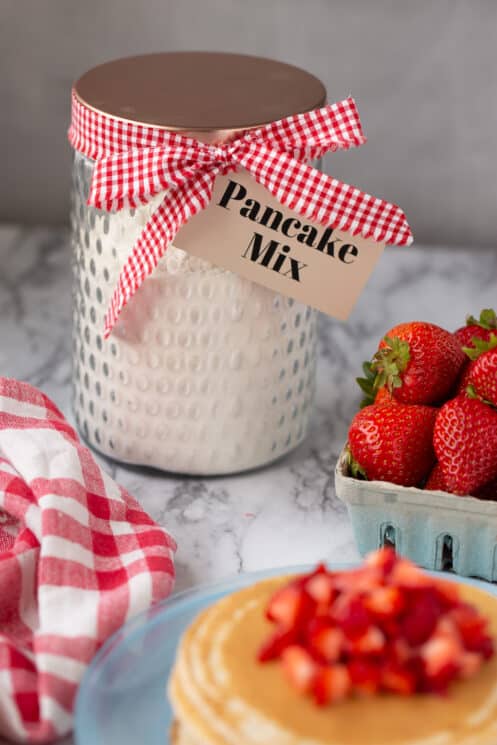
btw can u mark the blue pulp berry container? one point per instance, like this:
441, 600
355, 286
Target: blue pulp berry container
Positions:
438, 531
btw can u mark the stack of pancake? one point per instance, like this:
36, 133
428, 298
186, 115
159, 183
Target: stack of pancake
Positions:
221, 694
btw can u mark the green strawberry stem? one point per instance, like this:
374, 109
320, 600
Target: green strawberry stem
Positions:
390, 362
366, 384
356, 470
487, 320
480, 346
471, 393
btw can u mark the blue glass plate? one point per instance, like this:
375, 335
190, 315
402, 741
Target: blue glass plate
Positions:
122, 699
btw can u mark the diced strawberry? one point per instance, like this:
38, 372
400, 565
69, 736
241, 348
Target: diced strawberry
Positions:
365, 676
447, 628
397, 679
465, 617
421, 619
356, 581
472, 629
351, 615
384, 559
277, 642
299, 668
331, 684
324, 640
487, 648
440, 656
385, 602
291, 606
371, 642
448, 593
321, 588
469, 664
384, 627
416, 667
399, 651
440, 682
407, 575
391, 627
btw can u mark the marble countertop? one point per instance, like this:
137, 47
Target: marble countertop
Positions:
286, 513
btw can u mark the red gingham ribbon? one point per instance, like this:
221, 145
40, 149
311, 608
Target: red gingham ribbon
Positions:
134, 162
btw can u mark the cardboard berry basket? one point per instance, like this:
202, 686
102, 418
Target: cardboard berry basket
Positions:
435, 529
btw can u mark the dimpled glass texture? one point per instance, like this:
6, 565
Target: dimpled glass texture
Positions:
205, 373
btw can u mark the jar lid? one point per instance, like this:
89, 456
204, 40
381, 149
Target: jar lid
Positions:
199, 91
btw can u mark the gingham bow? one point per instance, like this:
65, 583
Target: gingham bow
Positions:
134, 162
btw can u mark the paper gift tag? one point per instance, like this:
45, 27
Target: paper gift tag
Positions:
245, 229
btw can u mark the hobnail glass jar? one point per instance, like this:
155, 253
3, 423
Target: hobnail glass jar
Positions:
205, 373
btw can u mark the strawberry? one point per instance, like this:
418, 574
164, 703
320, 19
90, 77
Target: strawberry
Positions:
482, 377
388, 626
436, 479
385, 602
290, 607
325, 641
465, 441
321, 587
480, 328
350, 614
469, 664
276, 644
472, 629
440, 656
463, 382
474, 351
467, 336
399, 651
447, 593
487, 491
384, 396
384, 560
299, 667
331, 684
365, 676
407, 575
393, 443
372, 641
397, 679
356, 581
418, 362
421, 620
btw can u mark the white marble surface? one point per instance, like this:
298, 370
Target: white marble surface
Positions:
284, 514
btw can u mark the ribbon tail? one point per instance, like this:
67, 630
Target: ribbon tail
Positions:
181, 202
324, 199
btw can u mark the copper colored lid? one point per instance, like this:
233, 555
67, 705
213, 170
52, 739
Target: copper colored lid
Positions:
200, 91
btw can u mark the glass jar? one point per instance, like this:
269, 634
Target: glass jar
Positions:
206, 372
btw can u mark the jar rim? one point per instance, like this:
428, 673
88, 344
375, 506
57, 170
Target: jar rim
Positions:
199, 91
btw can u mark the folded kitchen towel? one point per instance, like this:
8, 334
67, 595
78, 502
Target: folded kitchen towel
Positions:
78, 558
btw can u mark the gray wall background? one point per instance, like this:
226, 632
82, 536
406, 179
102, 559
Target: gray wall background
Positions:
424, 73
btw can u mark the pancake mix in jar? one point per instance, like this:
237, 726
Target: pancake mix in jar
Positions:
204, 240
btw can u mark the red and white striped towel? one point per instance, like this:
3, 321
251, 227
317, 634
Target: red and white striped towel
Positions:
78, 558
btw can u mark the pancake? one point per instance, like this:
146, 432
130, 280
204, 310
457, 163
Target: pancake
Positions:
222, 695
